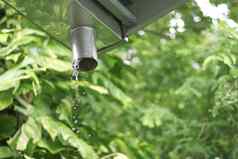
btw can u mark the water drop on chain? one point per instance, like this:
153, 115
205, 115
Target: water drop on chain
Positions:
75, 75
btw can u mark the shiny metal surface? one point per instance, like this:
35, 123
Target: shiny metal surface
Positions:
84, 48
147, 11
120, 11
110, 17
83, 40
52, 16
102, 17
133, 15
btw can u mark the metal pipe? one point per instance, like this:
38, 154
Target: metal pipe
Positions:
120, 11
82, 39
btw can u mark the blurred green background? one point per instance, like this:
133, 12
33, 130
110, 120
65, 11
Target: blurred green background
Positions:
171, 92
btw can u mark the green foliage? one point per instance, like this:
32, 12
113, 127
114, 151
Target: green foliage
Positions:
161, 96
5, 100
5, 152
7, 130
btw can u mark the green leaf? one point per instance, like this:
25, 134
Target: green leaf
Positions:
30, 131
11, 78
22, 37
5, 152
156, 117
3, 38
97, 88
6, 99
65, 111
14, 57
14, 45
52, 63
55, 128
124, 148
6, 130
28, 157
52, 147
115, 91
234, 72
209, 60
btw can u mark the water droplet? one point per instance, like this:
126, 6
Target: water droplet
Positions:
76, 122
75, 75
126, 39
78, 131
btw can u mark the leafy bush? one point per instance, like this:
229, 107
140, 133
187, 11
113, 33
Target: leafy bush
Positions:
162, 96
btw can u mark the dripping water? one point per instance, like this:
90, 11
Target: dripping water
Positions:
78, 127
75, 75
